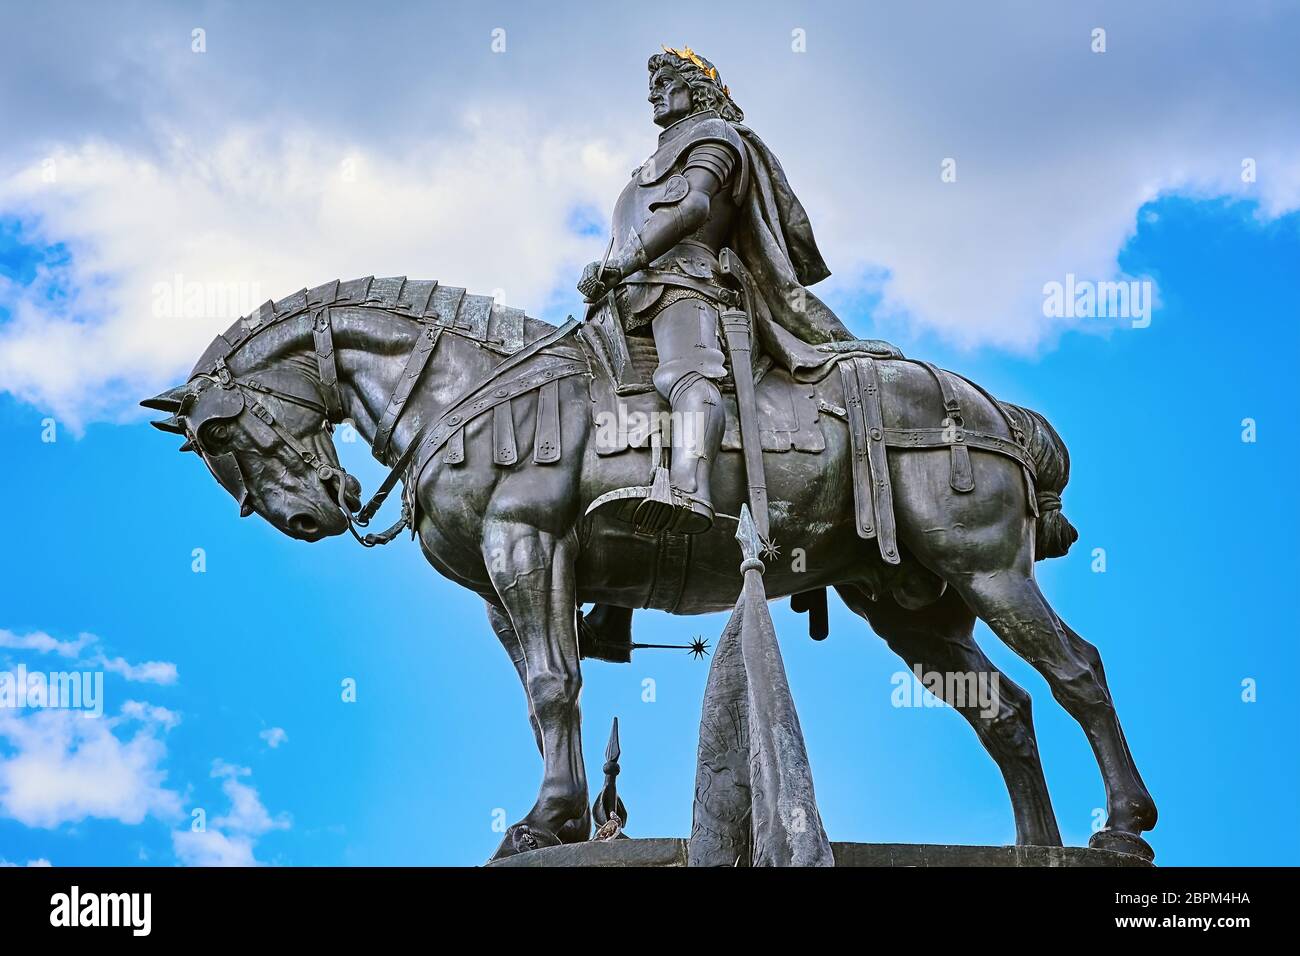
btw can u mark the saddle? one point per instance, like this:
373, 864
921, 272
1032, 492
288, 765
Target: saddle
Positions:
627, 411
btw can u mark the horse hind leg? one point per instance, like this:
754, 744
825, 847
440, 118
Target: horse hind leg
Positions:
940, 638
1010, 602
1138, 813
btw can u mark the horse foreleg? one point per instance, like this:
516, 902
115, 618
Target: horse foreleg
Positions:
533, 573
499, 618
940, 638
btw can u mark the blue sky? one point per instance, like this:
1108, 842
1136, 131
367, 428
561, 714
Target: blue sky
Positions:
1195, 523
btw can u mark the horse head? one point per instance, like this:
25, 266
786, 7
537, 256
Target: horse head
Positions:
266, 438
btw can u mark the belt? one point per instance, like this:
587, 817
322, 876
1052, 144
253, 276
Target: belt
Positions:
658, 277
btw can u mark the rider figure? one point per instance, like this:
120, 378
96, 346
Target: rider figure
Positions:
710, 184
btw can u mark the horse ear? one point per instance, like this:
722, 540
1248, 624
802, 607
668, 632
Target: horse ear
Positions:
168, 401
172, 425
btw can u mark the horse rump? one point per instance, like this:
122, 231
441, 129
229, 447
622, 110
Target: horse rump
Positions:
1053, 533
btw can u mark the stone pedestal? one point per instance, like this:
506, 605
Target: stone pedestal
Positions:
672, 852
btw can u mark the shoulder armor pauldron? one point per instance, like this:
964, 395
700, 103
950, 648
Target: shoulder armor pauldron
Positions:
668, 157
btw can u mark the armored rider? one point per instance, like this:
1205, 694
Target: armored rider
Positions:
711, 184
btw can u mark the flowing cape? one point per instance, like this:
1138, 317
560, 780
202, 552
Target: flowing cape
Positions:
775, 240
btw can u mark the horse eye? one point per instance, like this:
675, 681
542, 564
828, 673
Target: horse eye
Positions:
218, 433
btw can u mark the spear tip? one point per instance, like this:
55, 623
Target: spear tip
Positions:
747, 534
612, 751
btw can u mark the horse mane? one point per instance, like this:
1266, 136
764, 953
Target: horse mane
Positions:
477, 317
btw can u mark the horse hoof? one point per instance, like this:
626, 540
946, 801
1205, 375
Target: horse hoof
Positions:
521, 838
1118, 841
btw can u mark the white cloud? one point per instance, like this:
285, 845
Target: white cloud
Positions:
247, 815
149, 672
58, 767
42, 643
260, 216
41, 862
139, 710
1056, 148
62, 768
229, 840
212, 848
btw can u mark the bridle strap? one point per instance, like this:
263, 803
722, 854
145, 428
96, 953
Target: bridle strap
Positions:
283, 396
324, 471
425, 343
322, 331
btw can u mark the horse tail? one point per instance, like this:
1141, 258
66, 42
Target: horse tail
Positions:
1053, 533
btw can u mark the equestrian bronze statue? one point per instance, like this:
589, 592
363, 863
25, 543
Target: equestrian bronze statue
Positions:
606, 461
711, 184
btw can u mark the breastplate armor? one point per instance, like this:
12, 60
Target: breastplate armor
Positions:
659, 182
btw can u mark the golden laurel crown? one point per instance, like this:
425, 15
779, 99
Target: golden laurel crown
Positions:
686, 53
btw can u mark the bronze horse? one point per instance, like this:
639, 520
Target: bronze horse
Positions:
510, 523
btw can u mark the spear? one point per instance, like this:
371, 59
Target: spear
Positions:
608, 813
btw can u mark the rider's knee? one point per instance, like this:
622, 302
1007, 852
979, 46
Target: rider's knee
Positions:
675, 375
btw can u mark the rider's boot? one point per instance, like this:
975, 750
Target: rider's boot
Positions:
690, 364
697, 411
680, 500
605, 633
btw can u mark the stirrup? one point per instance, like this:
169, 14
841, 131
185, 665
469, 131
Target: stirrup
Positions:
691, 515
657, 507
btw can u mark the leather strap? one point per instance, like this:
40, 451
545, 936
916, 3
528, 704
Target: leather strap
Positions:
504, 449
491, 395
546, 435
322, 331
881, 491
433, 435
1018, 433
864, 506
960, 476
939, 438
455, 449
425, 343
